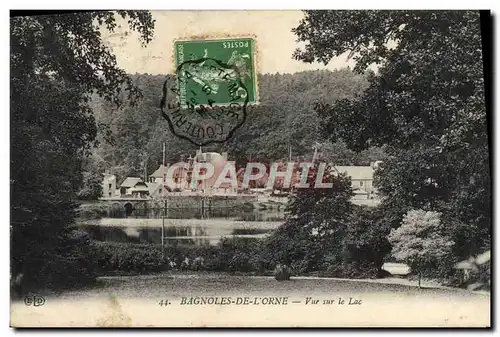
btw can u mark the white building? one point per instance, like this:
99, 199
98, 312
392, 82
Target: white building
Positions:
108, 185
135, 187
157, 190
362, 183
361, 180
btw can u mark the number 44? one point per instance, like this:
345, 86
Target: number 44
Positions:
163, 303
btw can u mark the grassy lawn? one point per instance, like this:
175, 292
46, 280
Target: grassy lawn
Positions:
178, 284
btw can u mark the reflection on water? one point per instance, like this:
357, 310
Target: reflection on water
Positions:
144, 225
185, 234
196, 213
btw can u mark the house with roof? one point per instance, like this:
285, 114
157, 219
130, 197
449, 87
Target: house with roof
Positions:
158, 175
134, 187
158, 189
361, 180
179, 179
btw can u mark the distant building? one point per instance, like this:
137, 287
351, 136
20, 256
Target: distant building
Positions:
182, 178
108, 185
178, 181
361, 180
159, 174
219, 162
134, 187
157, 190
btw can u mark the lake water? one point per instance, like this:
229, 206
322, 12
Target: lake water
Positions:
185, 226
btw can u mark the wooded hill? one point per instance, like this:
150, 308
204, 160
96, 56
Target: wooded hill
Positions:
131, 137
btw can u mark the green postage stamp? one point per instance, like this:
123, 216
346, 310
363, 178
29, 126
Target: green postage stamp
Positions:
206, 99
216, 72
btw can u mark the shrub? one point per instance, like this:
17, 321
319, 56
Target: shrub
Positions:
231, 254
476, 272
129, 258
282, 272
362, 252
421, 242
353, 270
240, 254
198, 263
293, 245
93, 210
240, 261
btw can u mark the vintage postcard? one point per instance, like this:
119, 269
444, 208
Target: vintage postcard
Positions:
315, 168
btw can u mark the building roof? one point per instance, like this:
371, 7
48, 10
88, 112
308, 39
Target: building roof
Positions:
159, 172
178, 172
131, 182
152, 187
357, 172
155, 186
139, 188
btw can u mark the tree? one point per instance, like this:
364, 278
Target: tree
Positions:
421, 240
366, 239
425, 105
316, 225
138, 132
92, 186
93, 169
57, 62
339, 154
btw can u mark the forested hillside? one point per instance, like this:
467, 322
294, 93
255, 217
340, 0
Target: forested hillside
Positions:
131, 137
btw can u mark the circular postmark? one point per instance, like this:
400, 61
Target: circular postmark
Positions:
205, 102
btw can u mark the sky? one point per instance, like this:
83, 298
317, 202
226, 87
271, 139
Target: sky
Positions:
272, 30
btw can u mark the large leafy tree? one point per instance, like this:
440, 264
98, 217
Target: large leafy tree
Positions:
316, 225
57, 63
425, 105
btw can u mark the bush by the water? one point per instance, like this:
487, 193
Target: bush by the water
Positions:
128, 258
93, 210
354, 249
231, 254
239, 254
